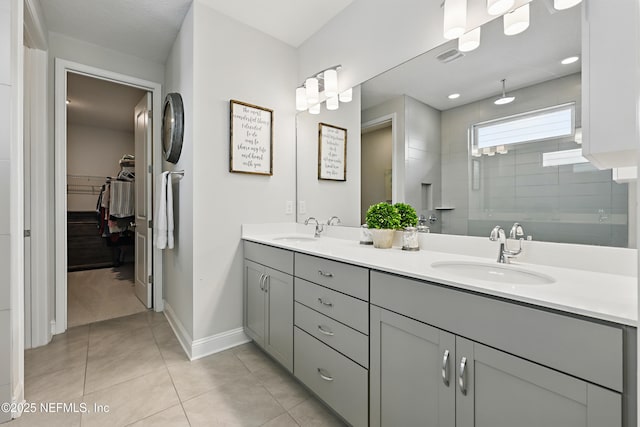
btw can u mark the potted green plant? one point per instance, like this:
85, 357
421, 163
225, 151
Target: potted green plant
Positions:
408, 216
383, 219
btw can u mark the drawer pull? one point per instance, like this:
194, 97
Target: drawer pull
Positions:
325, 331
324, 375
323, 302
325, 274
445, 368
462, 378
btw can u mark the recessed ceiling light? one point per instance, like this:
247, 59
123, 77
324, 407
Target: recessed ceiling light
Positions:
454, 96
569, 60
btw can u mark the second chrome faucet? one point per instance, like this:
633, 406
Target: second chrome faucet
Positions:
498, 235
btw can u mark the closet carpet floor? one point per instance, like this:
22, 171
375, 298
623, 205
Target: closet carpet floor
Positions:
135, 368
101, 294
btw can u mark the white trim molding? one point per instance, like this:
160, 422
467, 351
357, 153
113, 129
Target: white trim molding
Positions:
62, 67
204, 346
397, 153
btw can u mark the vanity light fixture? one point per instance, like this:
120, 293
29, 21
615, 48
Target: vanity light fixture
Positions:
569, 60
517, 21
469, 40
320, 88
454, 96
455, 18
565, 4
504, 99
499, 7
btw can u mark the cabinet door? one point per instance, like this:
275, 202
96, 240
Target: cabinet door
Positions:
501, 390
279, 327
412, 384
254, 305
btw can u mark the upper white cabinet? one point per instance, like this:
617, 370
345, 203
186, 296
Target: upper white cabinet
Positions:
610, 82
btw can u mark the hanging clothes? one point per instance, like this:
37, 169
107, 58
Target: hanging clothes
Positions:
122, 199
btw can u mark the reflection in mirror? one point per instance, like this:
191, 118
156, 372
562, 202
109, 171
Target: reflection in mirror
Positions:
417, 143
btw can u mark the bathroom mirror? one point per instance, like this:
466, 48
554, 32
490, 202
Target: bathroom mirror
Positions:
415, 142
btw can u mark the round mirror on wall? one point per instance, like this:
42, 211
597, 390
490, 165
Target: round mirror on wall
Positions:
172, 127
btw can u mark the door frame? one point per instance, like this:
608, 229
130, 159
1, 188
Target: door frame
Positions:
397, 153
62, 67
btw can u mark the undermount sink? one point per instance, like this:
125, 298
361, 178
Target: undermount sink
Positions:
295, 239
493, 273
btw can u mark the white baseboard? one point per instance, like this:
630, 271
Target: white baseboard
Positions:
17, 398
218, 342
53, 327
204, 346
178, 328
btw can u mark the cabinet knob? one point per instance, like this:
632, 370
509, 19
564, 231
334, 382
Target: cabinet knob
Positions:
445, 368
324, 375
325, 303
462, 377
325, 273
323, 330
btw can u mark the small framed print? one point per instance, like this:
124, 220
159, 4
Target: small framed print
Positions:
332, 152
251, 142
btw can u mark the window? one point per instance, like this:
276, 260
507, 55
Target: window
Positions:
547, 123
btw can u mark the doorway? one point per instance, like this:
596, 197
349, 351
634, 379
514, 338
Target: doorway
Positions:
376, 180
91, 155
101, 194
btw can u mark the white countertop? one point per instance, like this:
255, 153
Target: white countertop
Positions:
598, 295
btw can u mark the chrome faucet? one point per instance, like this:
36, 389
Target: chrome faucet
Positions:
498, 235
319, 227
330, 222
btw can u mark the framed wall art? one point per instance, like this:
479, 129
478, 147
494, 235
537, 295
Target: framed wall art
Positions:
332, 152
251, 141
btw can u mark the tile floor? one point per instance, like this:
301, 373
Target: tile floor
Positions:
136, 367
101, 294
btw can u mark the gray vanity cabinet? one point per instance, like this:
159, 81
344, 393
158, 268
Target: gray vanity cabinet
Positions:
412, 379
421, 375
268, 300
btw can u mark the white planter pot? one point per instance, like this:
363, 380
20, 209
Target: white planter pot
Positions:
382, 238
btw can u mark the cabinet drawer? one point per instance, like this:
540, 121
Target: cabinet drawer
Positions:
347, 341
279, 259
340, 382
343, 308
341, 277
582, 348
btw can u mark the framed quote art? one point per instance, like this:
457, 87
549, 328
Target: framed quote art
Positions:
332, 152
251, 142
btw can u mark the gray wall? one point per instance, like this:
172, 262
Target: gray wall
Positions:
376, 152
570, 203
5, 138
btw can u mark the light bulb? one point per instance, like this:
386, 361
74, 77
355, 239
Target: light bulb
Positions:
564, 4
516, 21
455, 18
498, 7
301, 99
332, 103
330, 83
311, 85
469, 41
346, 96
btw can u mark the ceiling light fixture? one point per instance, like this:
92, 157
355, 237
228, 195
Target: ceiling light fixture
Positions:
469, 41
569, 60
517, 21
565, 4
331, 83
504, 99
455, 18
311, 85
499, 7
454, 96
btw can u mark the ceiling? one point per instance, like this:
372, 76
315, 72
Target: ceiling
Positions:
552, 36
101, 103
148, 28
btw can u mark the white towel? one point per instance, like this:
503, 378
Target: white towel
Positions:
164, 213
